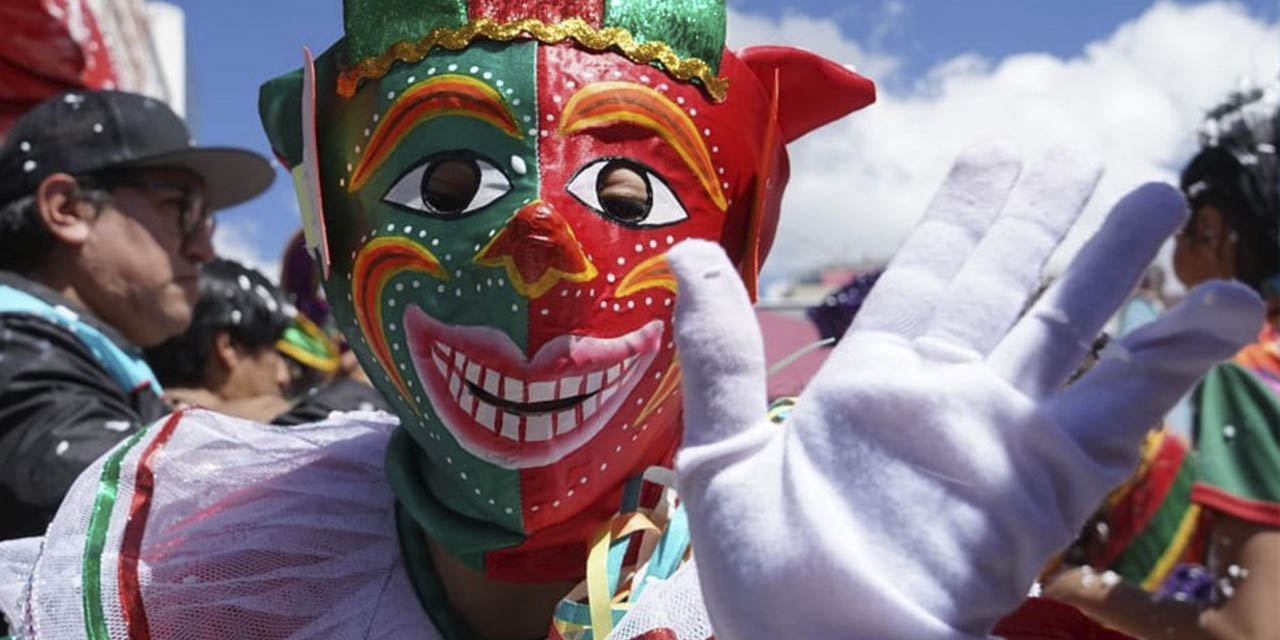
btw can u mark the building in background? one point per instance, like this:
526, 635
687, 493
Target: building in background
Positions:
51, 46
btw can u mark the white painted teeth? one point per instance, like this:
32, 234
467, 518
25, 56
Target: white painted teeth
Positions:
598, 386
537, 427
569, 386
473, 373
485, 414
492, 380
566, 421
542, 391
513, 390
511, 426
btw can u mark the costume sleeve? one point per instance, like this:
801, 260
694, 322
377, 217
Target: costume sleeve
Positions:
59, 411
1238, 445
201, 526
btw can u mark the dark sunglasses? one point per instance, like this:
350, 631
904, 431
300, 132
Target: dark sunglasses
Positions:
194, 215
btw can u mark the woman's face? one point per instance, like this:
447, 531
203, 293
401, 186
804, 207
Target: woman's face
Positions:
1205, 248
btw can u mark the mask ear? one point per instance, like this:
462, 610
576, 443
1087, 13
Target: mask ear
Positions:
287, 106
812, 91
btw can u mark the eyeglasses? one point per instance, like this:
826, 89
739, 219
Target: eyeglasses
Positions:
188, 204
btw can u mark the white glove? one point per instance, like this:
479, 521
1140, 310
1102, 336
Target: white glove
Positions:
934, 462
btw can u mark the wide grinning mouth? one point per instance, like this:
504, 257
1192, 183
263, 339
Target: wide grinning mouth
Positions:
526, 408
521, 413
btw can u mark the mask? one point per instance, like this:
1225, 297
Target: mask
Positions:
490, 189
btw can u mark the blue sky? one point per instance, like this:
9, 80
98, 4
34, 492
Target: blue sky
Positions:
234, 45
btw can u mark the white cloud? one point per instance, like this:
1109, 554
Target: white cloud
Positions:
820, 35
238, 240
1135, 96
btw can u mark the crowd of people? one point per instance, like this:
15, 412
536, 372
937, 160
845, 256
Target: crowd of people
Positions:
116, 310
547, 416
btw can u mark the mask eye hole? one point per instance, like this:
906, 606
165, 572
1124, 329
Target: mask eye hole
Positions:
626, 192
449, 184
623, 192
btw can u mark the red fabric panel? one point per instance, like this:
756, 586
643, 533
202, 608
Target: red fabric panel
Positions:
1129, 517
1043, 619
813, 90
510, 10
1265, 513
39, 57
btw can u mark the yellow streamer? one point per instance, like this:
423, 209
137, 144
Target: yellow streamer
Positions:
1174, 551
598, 600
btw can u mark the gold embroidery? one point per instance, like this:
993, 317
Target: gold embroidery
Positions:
577, 29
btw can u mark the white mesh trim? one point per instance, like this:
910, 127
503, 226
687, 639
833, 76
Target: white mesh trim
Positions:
674, 604
254, 532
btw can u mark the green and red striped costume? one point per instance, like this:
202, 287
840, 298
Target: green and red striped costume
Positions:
1164, 515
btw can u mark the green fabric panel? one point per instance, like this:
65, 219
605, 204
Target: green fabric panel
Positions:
372, 26
465, 538
280, 108
693, 28
426, 584
1141, 556
453, 472
1238, 435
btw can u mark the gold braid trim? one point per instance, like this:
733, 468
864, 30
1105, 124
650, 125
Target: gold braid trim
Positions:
685, 69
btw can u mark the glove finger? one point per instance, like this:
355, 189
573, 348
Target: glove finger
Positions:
721, 351
964, 206
1050, 341
993, 285
1141, 376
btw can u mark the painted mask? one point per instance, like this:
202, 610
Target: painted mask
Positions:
490, 188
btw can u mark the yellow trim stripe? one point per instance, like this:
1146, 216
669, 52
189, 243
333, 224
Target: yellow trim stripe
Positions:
1172, 553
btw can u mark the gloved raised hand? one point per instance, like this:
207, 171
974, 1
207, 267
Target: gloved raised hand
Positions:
935, 461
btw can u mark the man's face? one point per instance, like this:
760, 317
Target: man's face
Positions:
143, 277
497, 219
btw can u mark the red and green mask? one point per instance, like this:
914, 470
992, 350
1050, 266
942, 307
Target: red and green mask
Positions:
490, 188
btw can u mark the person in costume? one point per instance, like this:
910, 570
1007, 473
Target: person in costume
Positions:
1217, 504
522, 214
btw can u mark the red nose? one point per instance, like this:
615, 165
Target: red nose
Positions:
538, 250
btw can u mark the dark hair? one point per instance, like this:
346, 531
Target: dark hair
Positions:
1236, 171
1215, 178
233, 298
25, 241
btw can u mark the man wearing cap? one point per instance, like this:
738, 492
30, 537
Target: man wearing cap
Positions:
105, 219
